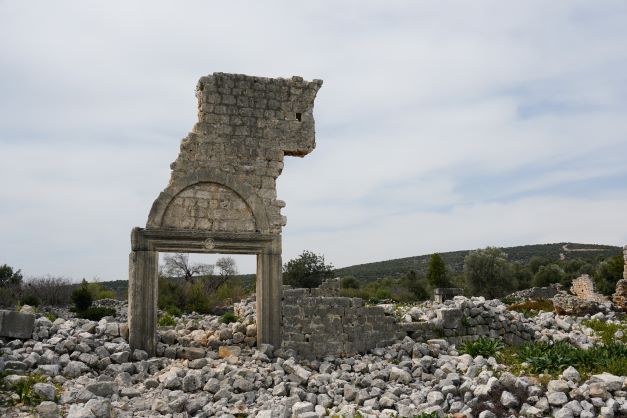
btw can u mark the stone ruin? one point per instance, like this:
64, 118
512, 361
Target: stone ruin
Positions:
620, 297
221, 197
441, 294
583, 288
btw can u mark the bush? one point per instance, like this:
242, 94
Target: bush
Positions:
483, 346
81, 296
349, 282
95, 313
31, 300
173, 310
548, 274
167, 321
554, 358
53, 291
99, 292
229, 317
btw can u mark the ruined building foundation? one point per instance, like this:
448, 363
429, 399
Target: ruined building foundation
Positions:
222, 192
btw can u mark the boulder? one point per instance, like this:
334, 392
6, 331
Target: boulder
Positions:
16, 324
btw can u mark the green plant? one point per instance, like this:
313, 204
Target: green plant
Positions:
167, 321
173, 310
82, 297
24, 389
606, 330
306, 270
30, 300
229, 317
96, 313
51, 316
553, 358
483, 346
436, 273
428, 415
465, 321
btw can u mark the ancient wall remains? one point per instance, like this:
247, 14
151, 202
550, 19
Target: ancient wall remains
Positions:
315, 326
246, 125
442, 294
583, 288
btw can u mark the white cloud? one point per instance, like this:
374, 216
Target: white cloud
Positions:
421, 101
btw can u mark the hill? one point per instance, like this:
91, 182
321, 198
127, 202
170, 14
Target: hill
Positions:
455, 259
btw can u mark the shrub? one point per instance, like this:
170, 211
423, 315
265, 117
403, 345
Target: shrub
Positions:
167, 321
50, 290
98, 291
95, 313
554, 358
24, 389
483, 346
81, 296
173, 310
350, 282
31, 300
488, 273
229, 317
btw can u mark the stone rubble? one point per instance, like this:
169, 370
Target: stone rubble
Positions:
206, 368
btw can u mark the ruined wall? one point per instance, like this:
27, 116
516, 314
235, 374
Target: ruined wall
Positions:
246, 125
583, 288
209, 206
315, 326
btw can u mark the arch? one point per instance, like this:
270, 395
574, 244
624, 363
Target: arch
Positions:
244, 191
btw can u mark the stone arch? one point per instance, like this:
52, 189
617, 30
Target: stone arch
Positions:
248, 195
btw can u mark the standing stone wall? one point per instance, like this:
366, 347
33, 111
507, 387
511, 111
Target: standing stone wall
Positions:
583, 288
315, 326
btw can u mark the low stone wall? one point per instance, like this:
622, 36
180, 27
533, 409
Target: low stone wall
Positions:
315, 325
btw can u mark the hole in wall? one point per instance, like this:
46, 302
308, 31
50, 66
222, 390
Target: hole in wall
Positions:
299, 116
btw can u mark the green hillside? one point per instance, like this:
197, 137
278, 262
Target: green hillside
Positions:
455, 259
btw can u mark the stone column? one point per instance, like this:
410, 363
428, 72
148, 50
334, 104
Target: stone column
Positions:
269, 282
625, 262
142, 300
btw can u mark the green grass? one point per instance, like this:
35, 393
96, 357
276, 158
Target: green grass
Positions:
24, 391
606, 330
483, 346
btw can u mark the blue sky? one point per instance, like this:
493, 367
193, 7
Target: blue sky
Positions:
441, 125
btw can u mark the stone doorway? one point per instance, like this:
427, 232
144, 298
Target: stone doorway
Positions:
222, 192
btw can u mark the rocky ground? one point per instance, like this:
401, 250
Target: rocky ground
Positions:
206, 368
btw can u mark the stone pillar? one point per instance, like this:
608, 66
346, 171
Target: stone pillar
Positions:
269, 282
142, 300
625, 262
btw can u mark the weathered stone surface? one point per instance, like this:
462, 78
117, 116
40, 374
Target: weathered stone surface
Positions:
16, 324
222, 191
620, 296
583, 287
442, 294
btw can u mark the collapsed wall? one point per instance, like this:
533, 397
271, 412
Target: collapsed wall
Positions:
316, 325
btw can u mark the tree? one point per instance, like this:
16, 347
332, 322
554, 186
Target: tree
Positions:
488, 273
537, 261
436, 273
306, 270
81, 296
10, 278
549, 274
227, 271
414, 284
608, 272
178, 265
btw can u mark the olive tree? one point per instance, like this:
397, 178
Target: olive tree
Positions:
488, 273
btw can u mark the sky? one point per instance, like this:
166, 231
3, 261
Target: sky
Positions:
441, 125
